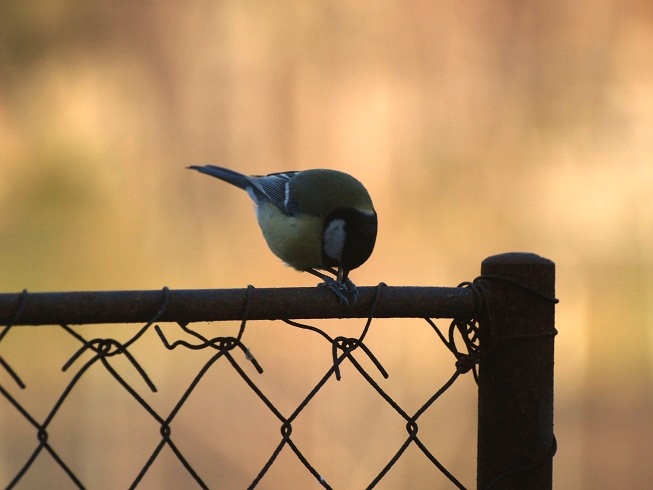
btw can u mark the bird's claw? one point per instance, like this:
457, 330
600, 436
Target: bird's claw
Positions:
346, 291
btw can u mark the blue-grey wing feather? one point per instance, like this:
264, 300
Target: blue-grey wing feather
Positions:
274, 187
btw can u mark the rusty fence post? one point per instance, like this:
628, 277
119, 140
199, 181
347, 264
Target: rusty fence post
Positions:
515, 405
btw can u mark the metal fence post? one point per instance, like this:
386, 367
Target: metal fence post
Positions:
515, 406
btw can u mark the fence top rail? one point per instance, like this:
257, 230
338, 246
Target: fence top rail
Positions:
196, 305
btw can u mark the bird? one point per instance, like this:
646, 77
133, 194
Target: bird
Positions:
313, 220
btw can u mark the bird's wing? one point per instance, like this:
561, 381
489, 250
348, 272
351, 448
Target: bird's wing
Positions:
274, 187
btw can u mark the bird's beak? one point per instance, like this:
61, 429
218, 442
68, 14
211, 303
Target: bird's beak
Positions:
342, 274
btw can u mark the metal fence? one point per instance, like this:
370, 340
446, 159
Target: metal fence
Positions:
501, 333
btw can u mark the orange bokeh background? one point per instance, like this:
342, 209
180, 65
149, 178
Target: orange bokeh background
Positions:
478, 129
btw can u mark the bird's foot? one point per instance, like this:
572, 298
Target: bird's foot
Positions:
346, 291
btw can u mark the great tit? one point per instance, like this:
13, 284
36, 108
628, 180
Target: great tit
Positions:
312, 219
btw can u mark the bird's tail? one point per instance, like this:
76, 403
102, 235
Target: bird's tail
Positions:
231, 176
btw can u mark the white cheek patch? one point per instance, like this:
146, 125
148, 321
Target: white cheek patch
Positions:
334, 239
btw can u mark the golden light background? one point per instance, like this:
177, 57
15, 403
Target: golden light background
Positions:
478, 128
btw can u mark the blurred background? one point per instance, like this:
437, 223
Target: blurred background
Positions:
478, 128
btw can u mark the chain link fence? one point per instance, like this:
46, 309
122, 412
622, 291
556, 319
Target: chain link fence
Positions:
120, 344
